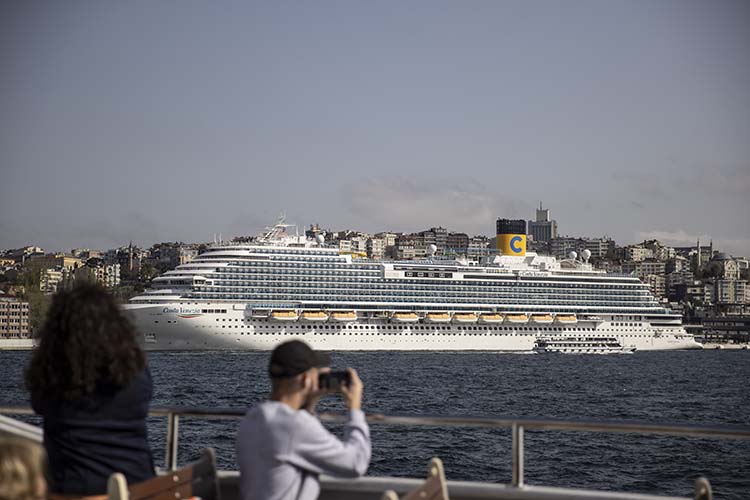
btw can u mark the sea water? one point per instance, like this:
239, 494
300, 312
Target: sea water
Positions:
701, 387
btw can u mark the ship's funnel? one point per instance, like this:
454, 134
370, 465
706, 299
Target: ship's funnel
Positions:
511, 237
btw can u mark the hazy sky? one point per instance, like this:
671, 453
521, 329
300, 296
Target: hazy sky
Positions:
174, 120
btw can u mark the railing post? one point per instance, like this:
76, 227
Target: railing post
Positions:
517, 479
170, 458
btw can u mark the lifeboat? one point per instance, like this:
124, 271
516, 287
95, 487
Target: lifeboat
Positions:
438, 317
517, 318
285, 315
406, 317
315, 315
491, 318
465, 317
544, 319
344, 316
566, 319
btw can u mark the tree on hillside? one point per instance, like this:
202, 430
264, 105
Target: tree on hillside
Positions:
38, 302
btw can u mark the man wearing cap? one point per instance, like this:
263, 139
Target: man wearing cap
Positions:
282, 447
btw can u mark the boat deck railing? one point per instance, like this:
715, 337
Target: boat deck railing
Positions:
368, 487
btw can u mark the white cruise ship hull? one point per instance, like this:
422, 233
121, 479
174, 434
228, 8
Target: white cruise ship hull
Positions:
235, 330
181, 327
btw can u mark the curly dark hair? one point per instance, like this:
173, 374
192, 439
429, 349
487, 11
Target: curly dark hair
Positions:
85, 341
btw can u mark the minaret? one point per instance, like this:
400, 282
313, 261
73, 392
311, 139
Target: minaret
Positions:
698, 261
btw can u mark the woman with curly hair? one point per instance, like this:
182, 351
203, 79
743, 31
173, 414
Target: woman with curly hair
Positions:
89, 381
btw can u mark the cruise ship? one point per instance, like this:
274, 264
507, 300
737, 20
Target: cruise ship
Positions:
284, 285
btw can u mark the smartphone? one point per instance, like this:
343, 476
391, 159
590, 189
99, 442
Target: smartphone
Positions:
332, 381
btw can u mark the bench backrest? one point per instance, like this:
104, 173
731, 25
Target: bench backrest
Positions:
195, 480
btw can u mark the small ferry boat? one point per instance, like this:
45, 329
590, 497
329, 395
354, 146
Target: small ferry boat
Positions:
466, 317
438, 317
285, 315
544, 319
344, 316
517, 318
406, 317
315, 315
491, 318
566, 319
581, 345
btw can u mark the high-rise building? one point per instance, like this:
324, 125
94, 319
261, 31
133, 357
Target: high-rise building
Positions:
543, 229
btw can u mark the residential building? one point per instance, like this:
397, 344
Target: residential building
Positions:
676, 278
478, 247
345, 246
14, 318
57, 260
86, 253
52, 280
694, 291
638, 253
457, 244
21, 255
643, 268
656, 283
729, 292
376, 248
561, 246
678, 264
359, 244
437, 236
187, 253
410, 246
107, 275
659, 251
388, 238
598, 246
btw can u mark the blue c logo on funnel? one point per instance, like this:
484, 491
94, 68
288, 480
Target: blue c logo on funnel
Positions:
513, 242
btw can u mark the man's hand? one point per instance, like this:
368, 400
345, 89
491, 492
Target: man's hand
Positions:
353, 392
313, 397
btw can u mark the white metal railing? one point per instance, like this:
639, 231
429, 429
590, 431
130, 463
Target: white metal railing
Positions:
516, 425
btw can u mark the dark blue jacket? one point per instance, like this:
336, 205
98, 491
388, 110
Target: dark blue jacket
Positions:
90, 438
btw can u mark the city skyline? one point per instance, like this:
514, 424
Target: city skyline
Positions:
150, 123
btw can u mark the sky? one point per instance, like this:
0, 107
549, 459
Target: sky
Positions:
176, 120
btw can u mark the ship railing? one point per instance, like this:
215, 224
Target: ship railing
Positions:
368, 487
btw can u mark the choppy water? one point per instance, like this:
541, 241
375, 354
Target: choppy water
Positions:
708, 387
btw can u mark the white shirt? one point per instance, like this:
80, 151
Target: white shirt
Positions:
281, 452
